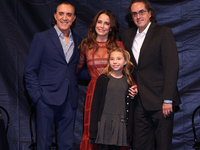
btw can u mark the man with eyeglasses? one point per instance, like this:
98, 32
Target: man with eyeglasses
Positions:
154, 54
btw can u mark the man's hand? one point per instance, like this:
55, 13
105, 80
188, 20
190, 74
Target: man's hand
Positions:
133, 90
167, 109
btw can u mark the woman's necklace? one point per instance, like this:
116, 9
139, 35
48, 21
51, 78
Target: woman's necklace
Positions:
101, 44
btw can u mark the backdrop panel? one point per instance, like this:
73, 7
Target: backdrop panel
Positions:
21, 19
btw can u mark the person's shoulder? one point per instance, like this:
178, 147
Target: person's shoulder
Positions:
52, 29
129, 32
102, 80
45, 32
161, 27
102, 77
162, 30
119, 42
41, 35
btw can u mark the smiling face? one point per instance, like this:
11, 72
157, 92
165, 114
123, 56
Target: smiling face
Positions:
117, 62
140, 15
102, 27
64, 17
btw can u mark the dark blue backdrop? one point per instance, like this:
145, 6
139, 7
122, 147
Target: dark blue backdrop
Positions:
21, 19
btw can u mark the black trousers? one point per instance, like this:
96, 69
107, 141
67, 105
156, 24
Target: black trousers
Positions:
151, 130
108, 147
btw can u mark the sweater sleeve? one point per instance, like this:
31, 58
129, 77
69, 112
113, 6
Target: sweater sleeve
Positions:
94, 118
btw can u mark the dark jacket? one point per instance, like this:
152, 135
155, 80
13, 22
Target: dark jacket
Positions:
98, 105
157, 70
48, 76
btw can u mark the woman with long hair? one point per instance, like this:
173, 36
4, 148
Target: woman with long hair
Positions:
101, 38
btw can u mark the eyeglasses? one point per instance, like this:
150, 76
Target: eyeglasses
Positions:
141, 13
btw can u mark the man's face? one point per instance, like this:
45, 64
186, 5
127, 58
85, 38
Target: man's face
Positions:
140, 15
64, 17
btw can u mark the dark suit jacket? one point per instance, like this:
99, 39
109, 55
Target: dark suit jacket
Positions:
156, 73
48, 76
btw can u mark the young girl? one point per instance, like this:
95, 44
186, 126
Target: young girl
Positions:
109, 123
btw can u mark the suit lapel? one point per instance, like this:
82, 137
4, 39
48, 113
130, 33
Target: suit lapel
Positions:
147, 39
75, 46
56, 41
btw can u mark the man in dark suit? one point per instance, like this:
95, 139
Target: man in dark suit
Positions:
154, 53
51, 82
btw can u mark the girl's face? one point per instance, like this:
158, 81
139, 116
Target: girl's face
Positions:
102, 27
117, 61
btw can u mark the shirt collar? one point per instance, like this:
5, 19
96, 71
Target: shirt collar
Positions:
60, 34
145, 30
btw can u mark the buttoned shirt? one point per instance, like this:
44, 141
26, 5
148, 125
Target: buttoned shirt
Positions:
138, 41
68, 48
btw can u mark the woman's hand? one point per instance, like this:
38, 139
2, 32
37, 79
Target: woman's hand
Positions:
133, 90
